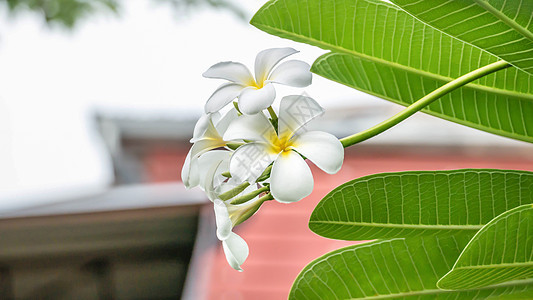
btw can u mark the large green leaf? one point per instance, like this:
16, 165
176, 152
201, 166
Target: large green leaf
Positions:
382, 50
415, 203
499, 114
501, 251
390, 269
501, 27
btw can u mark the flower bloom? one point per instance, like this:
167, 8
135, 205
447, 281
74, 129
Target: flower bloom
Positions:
226, 216
290, 178
256, 94
206, 136
269, 160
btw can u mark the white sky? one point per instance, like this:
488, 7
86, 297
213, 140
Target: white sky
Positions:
149, 58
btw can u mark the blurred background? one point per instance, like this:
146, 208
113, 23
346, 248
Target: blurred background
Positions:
98, 100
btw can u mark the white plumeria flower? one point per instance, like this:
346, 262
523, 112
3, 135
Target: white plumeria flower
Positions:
256, 94
290, 178
208, 169
227, 216
235, 248
206, 136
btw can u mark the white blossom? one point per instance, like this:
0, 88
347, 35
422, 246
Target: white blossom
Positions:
290, 179
227, 216
207, 135
256, 94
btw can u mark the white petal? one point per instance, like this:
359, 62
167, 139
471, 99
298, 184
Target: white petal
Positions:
250, 160
322, 148
209, 186
253, 100
189, 172
222, 219
291, 179
220, 179
293, 73
203, 124
250, 127
267, 59
296, 111
236, 251
205, 128
207, 161
232, 71
223, 124
222, 96
204, 145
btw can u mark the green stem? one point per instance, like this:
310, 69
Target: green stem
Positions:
248, 213
423, 102
237, 108
273, 118
234, 192
265, 175
250, 196
272, 113
234, 146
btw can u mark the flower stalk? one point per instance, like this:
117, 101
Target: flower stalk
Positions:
245, 216
423, 102
234, 146
250, 196
273, 117
234, 192
265, 175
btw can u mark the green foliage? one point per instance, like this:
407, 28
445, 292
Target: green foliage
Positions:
380, 49
68, 13
503, 28
391, 269
501, 251
415, 203
63, 12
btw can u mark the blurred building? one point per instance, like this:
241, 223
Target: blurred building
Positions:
146, 237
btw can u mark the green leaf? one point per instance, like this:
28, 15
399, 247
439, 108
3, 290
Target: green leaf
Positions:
390, 269
503, 28
501, 251
526, 295
382, 50
415, 203
503, 115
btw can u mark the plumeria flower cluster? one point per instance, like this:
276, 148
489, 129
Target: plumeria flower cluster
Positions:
252, 153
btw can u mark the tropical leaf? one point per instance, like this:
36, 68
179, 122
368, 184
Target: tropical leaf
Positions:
501, 251
503, 115
415, 203
525, 295
391, 269
503, 28
382, 50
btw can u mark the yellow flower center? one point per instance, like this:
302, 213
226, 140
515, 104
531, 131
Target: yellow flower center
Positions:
257, 82
256, 85
281, 144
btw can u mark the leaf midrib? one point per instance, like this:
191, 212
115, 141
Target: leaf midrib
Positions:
497, 266
440, 291
324, 45
502, 17
401, 226
431, 112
